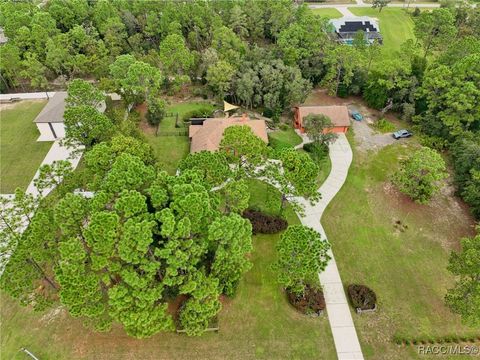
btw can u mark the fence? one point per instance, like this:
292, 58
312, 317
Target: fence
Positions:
181, 132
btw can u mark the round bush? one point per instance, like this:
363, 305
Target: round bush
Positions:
263, 223
362, 297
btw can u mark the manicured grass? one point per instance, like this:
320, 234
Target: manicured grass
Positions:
330, 13
258, 323
406, 269
284, 138
20, 153
396, 26
169, 150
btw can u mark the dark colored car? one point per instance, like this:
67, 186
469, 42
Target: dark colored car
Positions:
401, 134
356, 115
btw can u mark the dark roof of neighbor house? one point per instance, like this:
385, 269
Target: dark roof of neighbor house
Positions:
338, 114
53, 111
354, 24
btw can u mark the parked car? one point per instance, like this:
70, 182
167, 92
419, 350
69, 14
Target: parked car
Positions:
401, 134
356, 115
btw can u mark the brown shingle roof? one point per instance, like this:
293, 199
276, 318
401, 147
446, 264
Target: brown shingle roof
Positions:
53, 111
209, 135
338, 114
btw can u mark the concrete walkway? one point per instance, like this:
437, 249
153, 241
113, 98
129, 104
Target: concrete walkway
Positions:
56, 153
339, 316
345, 12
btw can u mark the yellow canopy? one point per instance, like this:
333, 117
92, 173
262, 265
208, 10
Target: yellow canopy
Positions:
228, 107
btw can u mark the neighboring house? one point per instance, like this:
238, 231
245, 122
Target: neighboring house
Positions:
50, 121
208, 133
338, 115
346, 29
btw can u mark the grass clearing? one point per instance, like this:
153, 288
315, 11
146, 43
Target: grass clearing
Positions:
396, 26
170, 149
406, 267
330, 13
258, 323
20, 153
280, 139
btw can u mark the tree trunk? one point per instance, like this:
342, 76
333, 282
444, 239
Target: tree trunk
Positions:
41, 271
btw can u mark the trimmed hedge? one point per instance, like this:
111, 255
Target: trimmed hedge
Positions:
362, 297
263, 223
434, 340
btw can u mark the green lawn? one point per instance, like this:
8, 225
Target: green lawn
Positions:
396, 25
407, 269
284, 138
20, 153
169, 150
258, 323
330, 13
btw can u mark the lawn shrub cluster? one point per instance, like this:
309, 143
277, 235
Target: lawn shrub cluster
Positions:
203, 112
316, 151
445, 339
263, 223
310, 302
384, 126
362, 297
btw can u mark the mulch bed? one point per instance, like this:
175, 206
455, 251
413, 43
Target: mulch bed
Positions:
313, 301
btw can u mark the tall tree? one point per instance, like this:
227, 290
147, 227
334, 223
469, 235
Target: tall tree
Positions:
302, 254
294, 175
435, 29
219, 78
420, 174
85, 125
380, 4
244, 149
81, 92
317, 127
341, 63
135, 80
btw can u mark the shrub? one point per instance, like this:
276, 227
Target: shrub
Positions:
362, 297
316, 151
384, 126
311, 301
205, 111
265, 224
420, 175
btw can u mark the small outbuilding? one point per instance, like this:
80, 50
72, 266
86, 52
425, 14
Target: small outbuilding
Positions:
50, 120
339, 116
206, 134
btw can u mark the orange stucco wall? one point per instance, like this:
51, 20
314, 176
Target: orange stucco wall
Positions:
297, 124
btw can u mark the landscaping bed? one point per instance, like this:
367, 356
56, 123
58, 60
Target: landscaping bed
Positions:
263, 223
312, 302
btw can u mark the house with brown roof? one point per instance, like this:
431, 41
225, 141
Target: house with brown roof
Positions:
209, 134
338, 115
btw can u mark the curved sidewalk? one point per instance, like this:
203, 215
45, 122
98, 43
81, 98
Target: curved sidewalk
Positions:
339, 316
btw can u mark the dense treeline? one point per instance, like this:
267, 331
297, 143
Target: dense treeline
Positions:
211, 42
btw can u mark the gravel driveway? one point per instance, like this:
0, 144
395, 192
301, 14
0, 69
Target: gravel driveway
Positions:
368, 139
